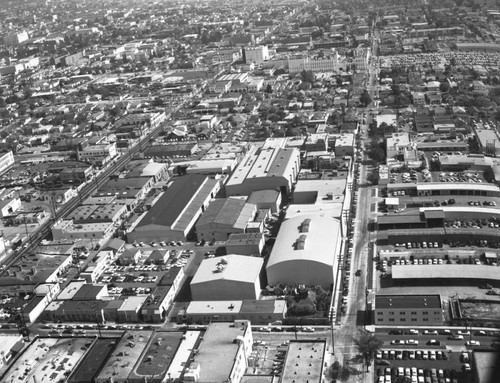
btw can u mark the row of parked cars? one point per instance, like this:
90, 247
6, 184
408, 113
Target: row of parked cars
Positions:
414, 375
385, 355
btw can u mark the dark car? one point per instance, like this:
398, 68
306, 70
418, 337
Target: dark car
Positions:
358, 273
395, 332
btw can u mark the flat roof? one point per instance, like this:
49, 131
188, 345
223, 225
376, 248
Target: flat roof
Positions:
453, 271
70, 290
244, 239
408, 301
213, 307
321, 231
7, 341
457, 186
48, 359
93, 360
304, 361
239, 268
257, 379
159, 354
263, 196
232, 212
218, 350
132, 303
125, 356
175, 199
327, 191
413, 217
263, 306
486, 363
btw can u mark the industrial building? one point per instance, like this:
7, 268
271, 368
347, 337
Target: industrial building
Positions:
305, 251
232, 277
224, 217
266, 168
174, 214
245, 244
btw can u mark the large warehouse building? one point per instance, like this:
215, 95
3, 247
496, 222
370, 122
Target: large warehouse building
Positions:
232, 277
223, 217
174, 214
306, 251
265, 169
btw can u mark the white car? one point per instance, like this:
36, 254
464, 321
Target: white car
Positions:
265, 329
308, 329
472, 343
430, 332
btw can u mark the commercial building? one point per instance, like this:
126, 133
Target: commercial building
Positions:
134, 189
99, 154
305, 361
265, 169
256, 55
47, 357
222, 355
245, 244
158, 171
408, 310
362, 58
8, 206
174, 214
93, 360
171, 150
259, 312
232, 277
95, 269
316, 64
6, 161
124, 357
305, 251
224, 217
66, 229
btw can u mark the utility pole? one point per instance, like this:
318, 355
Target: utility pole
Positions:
333, 343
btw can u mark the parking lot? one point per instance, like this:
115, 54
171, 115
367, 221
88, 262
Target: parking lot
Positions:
439, 354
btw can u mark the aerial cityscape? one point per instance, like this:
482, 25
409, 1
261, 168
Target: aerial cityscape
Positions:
228, 191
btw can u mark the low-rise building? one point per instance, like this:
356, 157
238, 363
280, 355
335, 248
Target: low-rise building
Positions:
224, 217
408, 310
259, 312
223, 354
232, 277
99, 154
174, 214
245, 244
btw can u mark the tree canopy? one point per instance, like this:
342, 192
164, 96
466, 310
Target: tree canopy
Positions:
368, 345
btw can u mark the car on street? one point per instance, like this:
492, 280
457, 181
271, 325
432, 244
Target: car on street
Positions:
397, 342
308, 329
434, 342
472, 343
395, 332
412, 342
